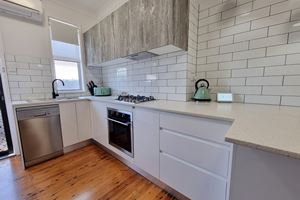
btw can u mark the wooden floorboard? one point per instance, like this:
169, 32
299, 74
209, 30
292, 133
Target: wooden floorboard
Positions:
85, 174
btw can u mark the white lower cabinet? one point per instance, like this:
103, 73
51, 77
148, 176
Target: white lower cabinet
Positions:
99, 122
193, 182
75, 122
194, 158
146, 140
83, 120
68, 121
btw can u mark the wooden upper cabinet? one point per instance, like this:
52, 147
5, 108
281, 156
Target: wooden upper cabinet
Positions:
150, 24
137, 26
120, 31
107, 40
92, 46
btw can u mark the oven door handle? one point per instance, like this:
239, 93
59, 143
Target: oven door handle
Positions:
125, 124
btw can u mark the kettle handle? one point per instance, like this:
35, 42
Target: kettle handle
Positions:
200, 80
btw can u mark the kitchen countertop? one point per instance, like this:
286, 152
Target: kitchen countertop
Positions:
40, 102
270, 128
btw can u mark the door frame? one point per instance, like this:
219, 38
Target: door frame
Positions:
8, 101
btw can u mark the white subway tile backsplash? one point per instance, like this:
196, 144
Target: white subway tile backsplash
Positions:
272, 20
220, 42
18, 78
272, 80
283, 49
240, 2
266, 61
255, 14
221, 24
208, 4
207, 67
262, 64
231, 82
20, 90
208, 52
221, 7
245, 8
203, 14
280, 7
233, 65
218, 74
284, 28
234, 47
219, 58
247, 72
294, 37
282, 90
9, 58
202, 30
293, 59
290, 101
282, 70
209, 20
256, 53
235, 29
295, 14
167, 61
177, 67
246, 89
30, 84
262, 99
167, 89
209, 36
202, 45
168, 75
269, 41
251, 35
291, 80
27, 59
263, 3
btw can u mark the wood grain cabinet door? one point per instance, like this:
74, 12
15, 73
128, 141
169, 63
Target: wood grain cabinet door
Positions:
107, 39
154, 24
93, 46
120, 31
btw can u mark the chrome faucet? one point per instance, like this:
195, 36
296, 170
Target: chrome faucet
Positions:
55, 94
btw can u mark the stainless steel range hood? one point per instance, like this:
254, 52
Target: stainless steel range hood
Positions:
141, 56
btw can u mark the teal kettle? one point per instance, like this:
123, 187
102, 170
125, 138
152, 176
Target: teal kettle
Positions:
202, 91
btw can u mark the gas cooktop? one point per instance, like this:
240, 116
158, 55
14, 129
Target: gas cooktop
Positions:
135, 99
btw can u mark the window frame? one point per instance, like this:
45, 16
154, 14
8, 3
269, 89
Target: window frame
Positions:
80, 63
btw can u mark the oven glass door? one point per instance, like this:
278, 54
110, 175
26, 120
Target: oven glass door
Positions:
120, 136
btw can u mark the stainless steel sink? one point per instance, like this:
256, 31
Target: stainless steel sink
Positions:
50, 99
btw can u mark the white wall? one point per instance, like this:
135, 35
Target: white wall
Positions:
28, 52
252, 49
26, 39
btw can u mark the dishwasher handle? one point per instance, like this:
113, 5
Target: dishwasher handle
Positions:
41, 115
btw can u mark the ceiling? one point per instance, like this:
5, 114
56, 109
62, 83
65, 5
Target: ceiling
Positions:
89, 6
96, 8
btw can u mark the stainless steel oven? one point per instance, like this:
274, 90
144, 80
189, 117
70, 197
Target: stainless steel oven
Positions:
120, 130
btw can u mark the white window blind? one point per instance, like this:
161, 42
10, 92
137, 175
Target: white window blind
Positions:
66, 55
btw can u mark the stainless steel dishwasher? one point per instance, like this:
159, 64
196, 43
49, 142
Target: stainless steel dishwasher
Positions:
40, 133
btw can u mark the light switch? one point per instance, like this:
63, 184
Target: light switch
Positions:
224, 97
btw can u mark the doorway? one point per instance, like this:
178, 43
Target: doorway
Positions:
6, 146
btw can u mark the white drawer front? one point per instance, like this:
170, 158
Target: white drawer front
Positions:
208, 129
191, 182
209, 156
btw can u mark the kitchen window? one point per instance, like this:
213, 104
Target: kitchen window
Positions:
66, 52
